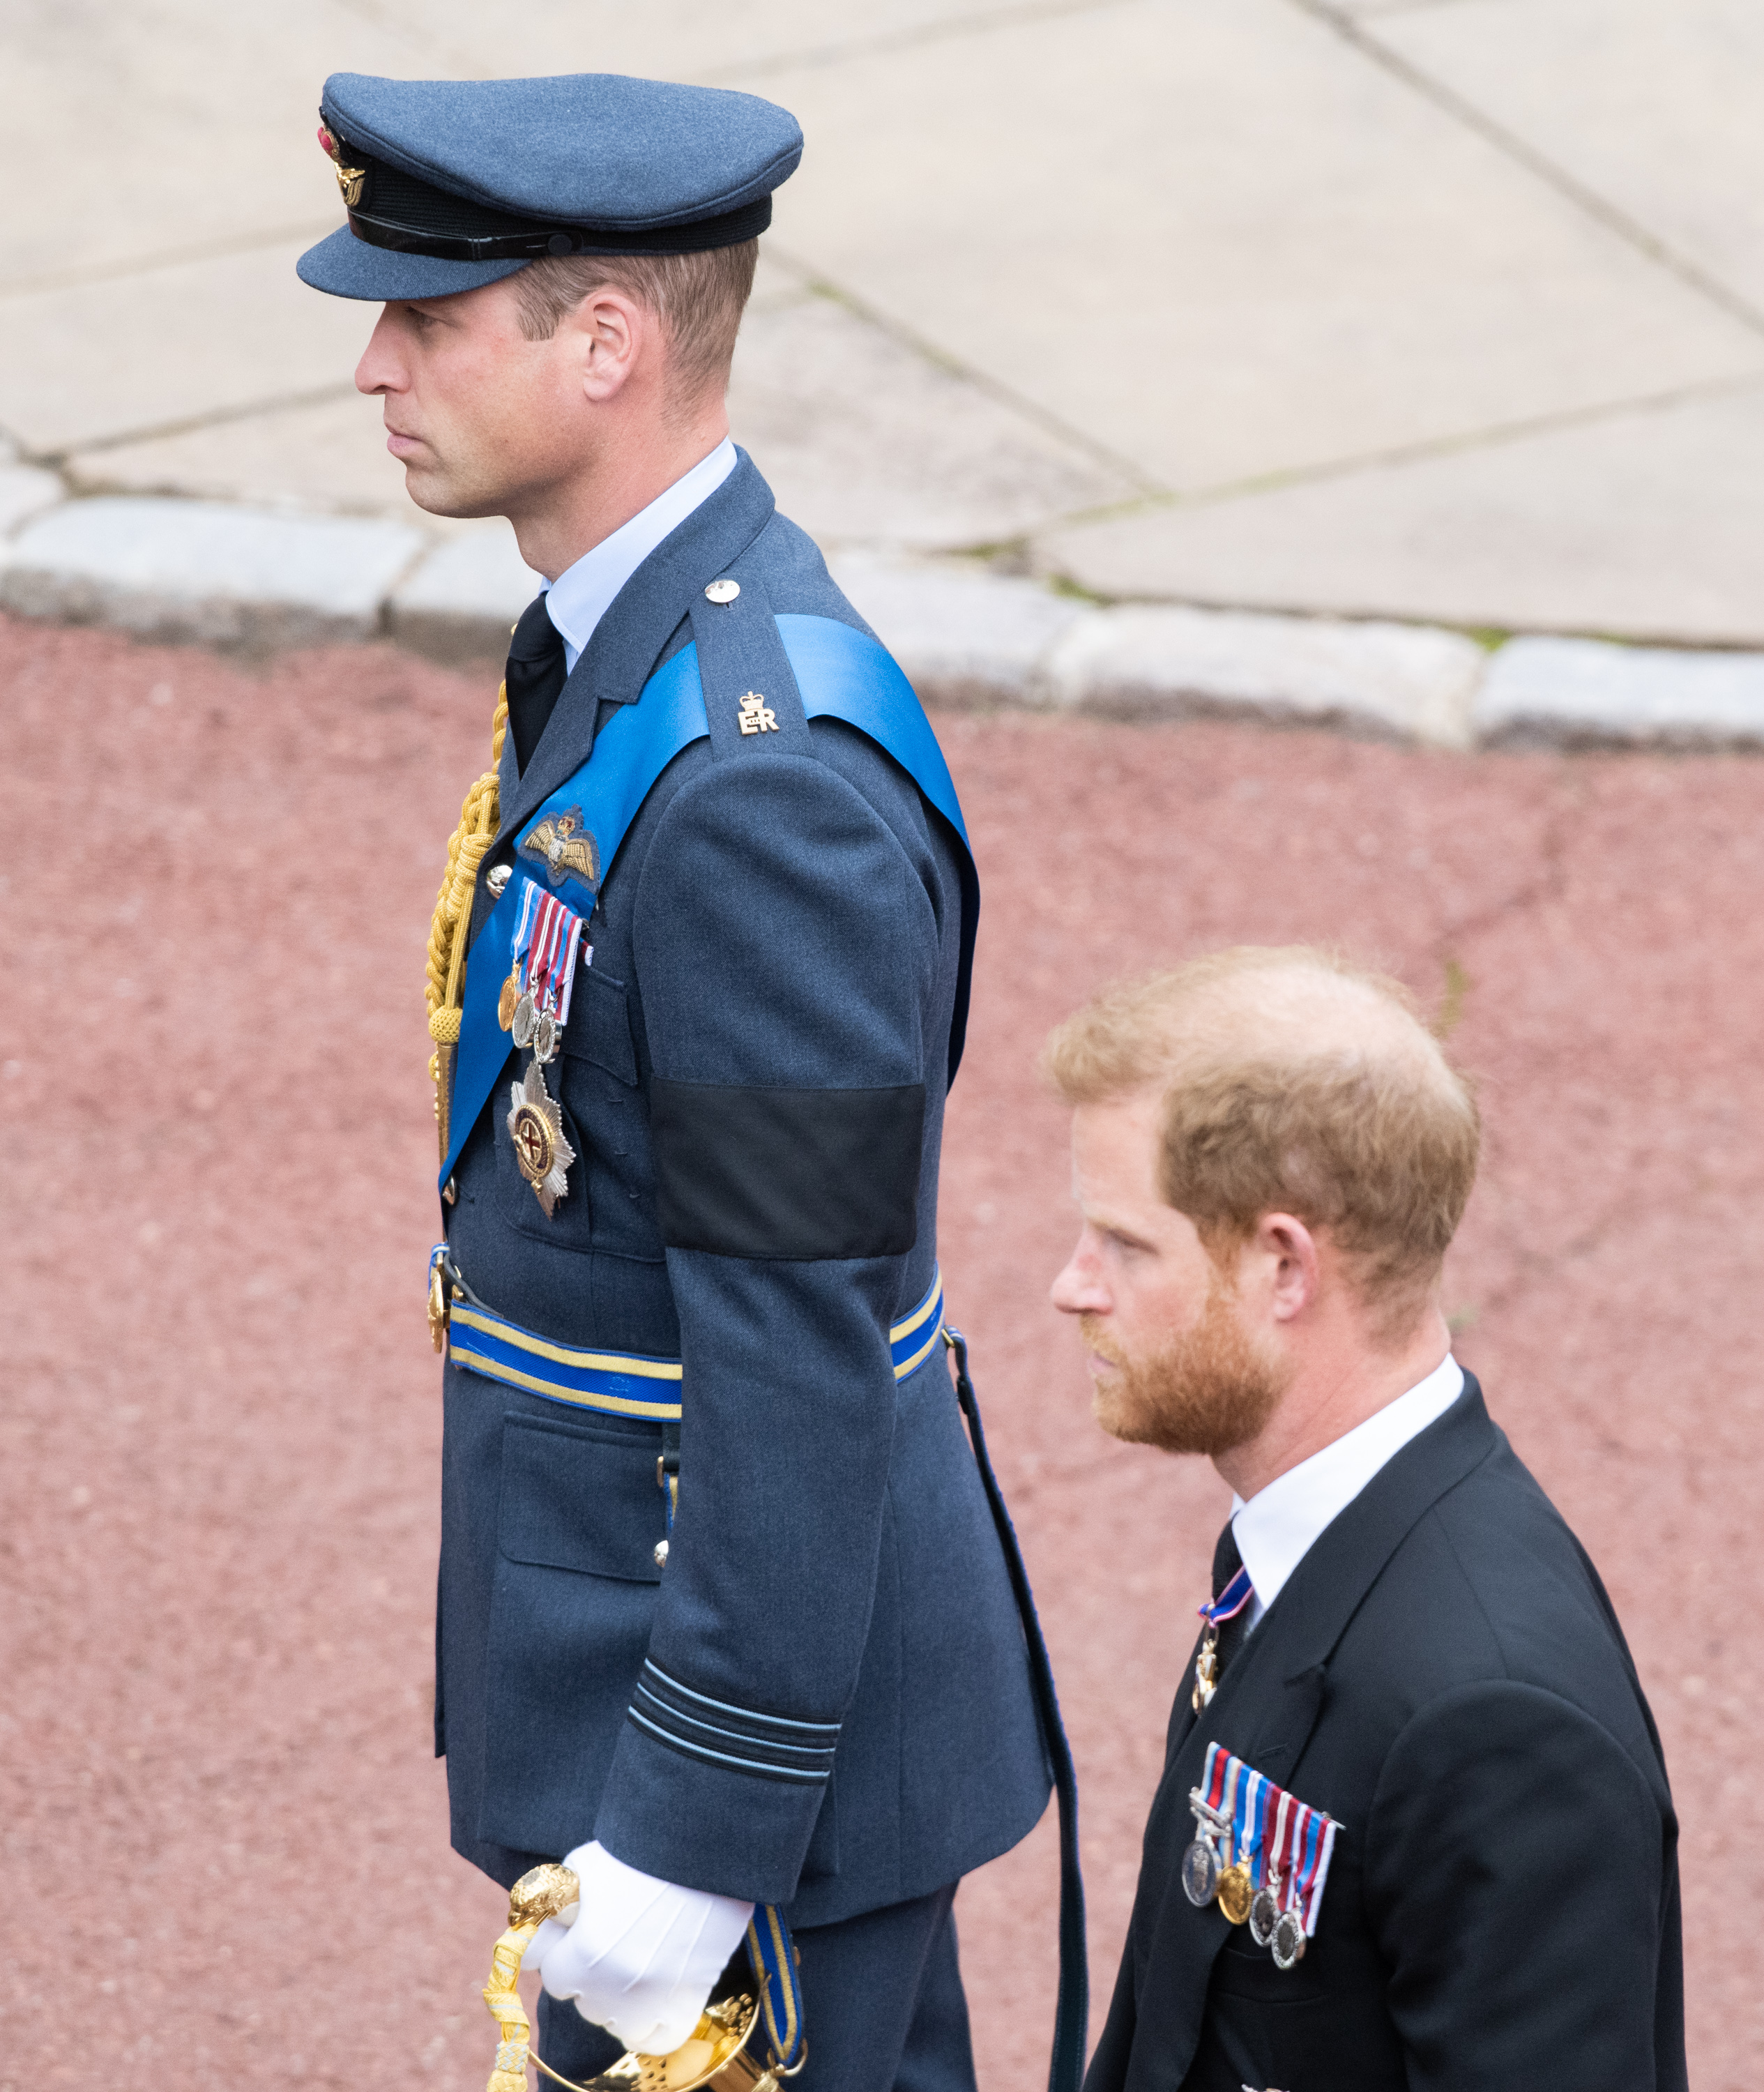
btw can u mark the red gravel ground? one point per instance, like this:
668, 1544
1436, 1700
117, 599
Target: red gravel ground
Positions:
225, 1840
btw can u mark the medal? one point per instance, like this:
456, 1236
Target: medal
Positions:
1237, 1884
1264, 1907
1259, 1853
506, 1001
536, 1127
1229, 1602
547, 940
1203, 1863
1200, 1862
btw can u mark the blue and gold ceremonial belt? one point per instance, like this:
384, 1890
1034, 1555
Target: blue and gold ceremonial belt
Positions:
624, 1383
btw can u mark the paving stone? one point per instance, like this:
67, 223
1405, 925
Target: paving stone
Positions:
669, 39
1653, 104
329, 454
23, 491
1580, 692
1219, 242
1646, 526
967, 641
458, 604
1400, 682
864, 440
202, 571
136, 353
194, 123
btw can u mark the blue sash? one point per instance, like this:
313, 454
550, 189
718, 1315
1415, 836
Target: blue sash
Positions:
842, 674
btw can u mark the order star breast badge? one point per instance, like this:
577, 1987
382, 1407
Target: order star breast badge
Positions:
536, 1127
565, 846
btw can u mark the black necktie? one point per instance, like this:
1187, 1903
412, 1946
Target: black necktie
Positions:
536, 676
1226, 1562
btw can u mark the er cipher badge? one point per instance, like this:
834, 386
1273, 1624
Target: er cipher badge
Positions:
535, 1009
1262, 1853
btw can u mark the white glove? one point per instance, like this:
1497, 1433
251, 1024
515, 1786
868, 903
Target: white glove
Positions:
640, 1955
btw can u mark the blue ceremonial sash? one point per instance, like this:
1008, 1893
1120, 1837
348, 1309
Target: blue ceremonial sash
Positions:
842, 674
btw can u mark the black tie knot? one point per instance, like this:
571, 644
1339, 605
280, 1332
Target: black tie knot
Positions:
535, 676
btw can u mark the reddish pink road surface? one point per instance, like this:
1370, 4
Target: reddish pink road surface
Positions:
226, 1855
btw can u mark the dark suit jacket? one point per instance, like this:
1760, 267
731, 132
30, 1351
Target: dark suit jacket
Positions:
781, 933
1445, 1676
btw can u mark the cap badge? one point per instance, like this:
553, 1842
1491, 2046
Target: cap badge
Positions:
756, 715
350, 180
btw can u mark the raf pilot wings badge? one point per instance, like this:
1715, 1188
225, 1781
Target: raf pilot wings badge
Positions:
565, 848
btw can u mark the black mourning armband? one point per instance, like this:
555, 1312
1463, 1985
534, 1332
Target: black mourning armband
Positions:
798, 1174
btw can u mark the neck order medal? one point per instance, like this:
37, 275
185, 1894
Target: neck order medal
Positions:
548, 938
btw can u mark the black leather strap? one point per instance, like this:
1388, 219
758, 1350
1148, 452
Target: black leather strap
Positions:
1066, 2069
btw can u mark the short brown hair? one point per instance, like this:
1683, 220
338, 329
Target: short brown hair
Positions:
699, 298
1292, 1083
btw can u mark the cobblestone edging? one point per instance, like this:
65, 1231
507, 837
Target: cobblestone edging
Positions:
174, 569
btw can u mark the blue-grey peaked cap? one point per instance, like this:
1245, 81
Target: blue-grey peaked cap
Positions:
451, 183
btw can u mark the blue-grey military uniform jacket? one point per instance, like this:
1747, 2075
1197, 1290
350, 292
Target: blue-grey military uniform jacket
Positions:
833, 1705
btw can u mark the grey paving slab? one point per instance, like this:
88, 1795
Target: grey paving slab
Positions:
1197, 232
965, 638
863, 439
672, 39
205, 570
1569, 693
1401, 682
331, 455
459, 602
136, 352
1655, 104
24, 492
1648, 524
166, 124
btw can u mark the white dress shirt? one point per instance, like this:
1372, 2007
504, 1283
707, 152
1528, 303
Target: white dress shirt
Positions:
581, 594
1277, 1528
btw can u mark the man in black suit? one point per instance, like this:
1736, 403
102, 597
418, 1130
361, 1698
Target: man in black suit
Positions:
1271, 1155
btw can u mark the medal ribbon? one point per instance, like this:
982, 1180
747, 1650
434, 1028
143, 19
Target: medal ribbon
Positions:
552, 937
1230, 1602
1251, 1821
1213, 1781
1277, 1857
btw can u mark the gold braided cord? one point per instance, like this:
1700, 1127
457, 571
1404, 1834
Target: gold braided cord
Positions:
479, 818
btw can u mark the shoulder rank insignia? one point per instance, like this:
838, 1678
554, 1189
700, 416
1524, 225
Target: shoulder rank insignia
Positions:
565, 848
756, 715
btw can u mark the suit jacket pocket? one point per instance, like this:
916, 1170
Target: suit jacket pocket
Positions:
571, 1605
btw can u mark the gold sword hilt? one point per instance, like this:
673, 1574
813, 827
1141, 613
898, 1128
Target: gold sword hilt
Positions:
717, 2058
541, 1893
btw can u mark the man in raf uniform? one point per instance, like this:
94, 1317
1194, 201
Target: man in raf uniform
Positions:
726, 1615
1414, 1829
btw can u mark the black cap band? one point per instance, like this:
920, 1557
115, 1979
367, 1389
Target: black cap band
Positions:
411, 216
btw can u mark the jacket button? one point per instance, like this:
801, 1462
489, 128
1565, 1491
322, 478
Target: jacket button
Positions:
661, 1555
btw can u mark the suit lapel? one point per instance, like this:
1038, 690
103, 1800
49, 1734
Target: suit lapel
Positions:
1269, 1701
625, 644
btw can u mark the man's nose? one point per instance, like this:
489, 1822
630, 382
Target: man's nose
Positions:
380, 370
1078, 1289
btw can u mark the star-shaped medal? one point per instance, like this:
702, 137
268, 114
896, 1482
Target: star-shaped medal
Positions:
536, 1127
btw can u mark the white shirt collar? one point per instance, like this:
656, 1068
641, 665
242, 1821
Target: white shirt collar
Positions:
582, 594
1277, 1528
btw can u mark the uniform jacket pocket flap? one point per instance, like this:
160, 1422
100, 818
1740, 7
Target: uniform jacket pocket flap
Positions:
600, 1027
574, 1497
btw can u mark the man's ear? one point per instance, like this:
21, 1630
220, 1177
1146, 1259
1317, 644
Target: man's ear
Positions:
1291, 1256
613, 334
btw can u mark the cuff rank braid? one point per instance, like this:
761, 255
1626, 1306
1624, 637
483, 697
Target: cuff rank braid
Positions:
450, 929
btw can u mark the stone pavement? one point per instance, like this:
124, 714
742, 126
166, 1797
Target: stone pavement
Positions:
1437, 311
